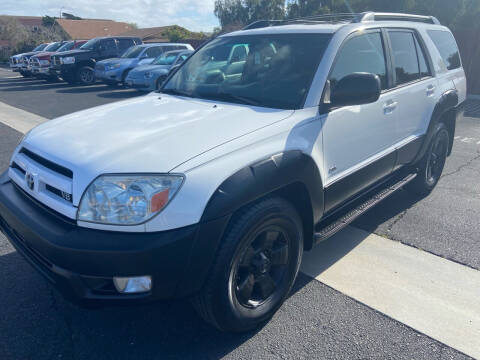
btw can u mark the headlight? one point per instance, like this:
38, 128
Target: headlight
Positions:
112, 67
44, 62
148, 75
127, 199
68, 60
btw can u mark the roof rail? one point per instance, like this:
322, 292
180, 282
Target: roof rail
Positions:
345, 18
379, 16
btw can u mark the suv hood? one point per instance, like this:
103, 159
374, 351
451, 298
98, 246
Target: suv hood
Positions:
149, 134
144, 68
73, 52
117, 61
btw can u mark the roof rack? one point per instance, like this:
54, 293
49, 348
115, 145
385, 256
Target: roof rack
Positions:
344, 18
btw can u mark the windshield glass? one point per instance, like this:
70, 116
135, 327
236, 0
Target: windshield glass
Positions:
53, 47
273, 71
165, 59
40, 47
67, 46
89, 45
133, 52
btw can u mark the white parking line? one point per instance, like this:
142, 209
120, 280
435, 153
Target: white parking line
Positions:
435, 296
18, 119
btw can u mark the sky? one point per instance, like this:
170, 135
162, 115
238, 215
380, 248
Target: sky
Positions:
195, 15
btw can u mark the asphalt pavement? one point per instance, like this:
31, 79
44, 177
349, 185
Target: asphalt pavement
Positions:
317, 321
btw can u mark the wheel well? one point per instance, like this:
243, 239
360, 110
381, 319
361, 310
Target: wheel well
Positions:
297, 194
449, 119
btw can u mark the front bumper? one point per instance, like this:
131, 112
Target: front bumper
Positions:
141, 84
41, 71
109, 75
81, 262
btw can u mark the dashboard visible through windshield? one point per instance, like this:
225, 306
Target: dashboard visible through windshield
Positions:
273, 71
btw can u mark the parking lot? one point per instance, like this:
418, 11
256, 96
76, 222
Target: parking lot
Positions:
320, 319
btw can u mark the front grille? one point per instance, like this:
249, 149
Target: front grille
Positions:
47, 163
17, 167
64, 195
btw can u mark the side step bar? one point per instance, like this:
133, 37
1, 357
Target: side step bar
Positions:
334, 226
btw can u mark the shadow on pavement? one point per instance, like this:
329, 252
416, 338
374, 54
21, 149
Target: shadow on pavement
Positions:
121, 94
37, 323
37, 86
79, 89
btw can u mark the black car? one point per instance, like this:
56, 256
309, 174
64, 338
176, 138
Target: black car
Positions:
77, 66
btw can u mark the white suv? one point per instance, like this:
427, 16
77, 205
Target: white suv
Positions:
212, 188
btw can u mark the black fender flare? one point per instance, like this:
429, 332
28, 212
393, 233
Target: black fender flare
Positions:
448, 101
265, 177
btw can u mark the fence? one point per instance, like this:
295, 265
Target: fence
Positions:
469, 45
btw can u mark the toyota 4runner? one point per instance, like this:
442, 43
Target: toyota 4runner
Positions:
213, 187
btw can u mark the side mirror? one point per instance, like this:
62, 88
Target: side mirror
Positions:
356, 89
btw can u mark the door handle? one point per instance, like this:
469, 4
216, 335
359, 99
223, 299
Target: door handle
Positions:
430, 90
389, 107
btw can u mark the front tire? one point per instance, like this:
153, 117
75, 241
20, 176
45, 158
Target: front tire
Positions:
86, 75
255, 268
432, 164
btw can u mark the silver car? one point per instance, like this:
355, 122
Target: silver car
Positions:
151, 77
114, 71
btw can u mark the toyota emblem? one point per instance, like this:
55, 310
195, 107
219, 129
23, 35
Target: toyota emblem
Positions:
30, 181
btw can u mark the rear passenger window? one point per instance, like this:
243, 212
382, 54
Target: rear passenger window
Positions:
124, 44
405, 58
447, 46
362, 53
154, 52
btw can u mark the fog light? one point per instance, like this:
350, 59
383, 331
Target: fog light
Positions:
133, 285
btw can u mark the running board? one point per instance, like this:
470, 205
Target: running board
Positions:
338, 224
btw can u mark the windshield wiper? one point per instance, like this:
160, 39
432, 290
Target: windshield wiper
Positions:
236, 98
176, 92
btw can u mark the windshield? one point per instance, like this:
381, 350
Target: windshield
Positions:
133, 52
89, 45
273, 71
165, 59
40, 47
53, 47
67, 46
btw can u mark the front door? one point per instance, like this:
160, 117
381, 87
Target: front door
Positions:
359, 141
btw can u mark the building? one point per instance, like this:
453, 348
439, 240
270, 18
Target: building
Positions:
91, 28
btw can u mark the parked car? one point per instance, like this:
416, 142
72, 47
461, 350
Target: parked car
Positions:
41, 63
213, 188
79, 65
19, 62
151, 77
114, 71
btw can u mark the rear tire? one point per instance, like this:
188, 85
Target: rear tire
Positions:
255, 268
86, 75
432, 164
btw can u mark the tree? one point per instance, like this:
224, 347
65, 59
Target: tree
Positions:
235, 14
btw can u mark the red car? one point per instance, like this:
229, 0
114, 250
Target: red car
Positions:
40, 63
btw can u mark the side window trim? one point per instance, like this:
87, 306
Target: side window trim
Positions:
425, 53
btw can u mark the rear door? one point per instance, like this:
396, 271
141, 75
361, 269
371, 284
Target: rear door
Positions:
124, 45
108, 49
358, 141
415, 90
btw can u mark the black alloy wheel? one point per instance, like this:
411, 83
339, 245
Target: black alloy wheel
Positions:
260, 268
86, 75
255, 267
431, 166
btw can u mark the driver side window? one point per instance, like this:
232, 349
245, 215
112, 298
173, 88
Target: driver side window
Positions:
362, 53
